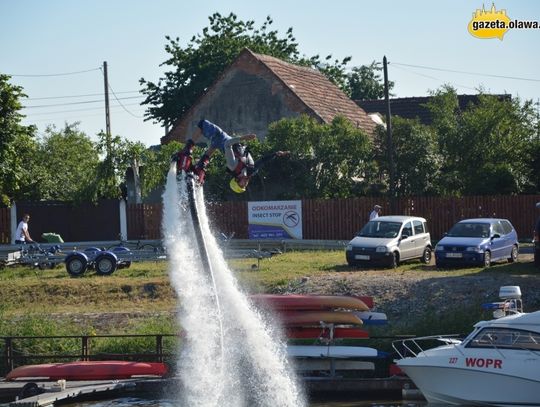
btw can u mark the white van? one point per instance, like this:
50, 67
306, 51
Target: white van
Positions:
390, 239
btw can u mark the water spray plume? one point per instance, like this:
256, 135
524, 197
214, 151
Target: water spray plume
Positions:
230, 356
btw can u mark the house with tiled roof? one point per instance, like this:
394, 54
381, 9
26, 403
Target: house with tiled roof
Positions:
256, 90
415, 107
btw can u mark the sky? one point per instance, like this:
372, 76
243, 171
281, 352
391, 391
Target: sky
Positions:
41, 41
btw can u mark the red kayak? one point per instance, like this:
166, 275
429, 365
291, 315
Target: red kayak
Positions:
93, 370
310, 318
324, 333
312, 302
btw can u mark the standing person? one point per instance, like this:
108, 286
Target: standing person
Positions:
537, 237
375, 212
22, 235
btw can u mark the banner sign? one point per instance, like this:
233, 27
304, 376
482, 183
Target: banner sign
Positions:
275, 220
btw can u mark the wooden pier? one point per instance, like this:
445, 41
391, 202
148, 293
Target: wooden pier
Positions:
51, 392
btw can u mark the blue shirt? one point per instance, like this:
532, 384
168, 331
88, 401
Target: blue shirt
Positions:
215, 135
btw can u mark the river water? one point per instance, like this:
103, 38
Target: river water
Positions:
141, 402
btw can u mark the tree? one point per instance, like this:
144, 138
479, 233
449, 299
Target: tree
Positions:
328, 160
15, 140
67, 164
197, 65
486, 147
111, 169
495, 145
416, 155
365, 82
155, 165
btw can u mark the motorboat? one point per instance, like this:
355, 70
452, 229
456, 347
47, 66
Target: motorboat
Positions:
497, 364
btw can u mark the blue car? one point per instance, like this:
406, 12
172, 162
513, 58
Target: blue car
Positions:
477, 242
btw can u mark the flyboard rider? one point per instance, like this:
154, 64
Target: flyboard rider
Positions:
240, 163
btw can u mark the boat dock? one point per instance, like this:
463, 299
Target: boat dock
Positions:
52, 392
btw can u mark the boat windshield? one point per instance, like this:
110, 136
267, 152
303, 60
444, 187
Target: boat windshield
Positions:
464, 229
377, 228
505, 338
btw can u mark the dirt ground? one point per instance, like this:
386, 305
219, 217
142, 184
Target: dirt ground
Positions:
404, 295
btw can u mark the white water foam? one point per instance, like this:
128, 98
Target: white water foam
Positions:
230, 359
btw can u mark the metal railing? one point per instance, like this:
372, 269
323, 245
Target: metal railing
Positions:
13, 356
411, 347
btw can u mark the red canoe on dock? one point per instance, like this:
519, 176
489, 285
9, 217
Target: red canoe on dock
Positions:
91, 370
312, 302
324, 333
314, 318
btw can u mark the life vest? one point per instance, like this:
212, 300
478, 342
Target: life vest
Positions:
245, 162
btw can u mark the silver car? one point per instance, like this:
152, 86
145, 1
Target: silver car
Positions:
390, 239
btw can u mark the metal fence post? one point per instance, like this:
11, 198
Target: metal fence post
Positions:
84, 348
159, 347
9, 354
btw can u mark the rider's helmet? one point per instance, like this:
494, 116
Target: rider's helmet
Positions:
236, 187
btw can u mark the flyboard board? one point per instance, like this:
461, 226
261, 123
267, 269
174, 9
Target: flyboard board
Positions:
185, 173
203, 253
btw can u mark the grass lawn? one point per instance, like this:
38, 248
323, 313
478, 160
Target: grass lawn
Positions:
145, 285
50, 302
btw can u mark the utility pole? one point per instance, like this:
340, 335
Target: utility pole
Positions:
389, 142
107, 112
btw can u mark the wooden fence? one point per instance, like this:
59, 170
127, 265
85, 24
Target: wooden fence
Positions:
83, 222
324, 219
340, 219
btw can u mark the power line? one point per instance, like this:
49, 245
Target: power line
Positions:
77, 110
468, 73
78, 103
53, 74
434, 78
123, 107
77, 96
29, 121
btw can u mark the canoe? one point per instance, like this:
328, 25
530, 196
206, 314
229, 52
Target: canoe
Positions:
309, 365
372, 318
309, 302
301, 351
307, 318
324, 333
92, 370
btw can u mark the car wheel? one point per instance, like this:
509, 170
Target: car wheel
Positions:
513, 255
439, 264
394, 260
426, 256
487, 259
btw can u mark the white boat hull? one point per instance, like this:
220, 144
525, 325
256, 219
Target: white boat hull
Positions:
452, 385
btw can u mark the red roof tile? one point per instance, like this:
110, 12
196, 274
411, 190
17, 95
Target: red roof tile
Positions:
317, 92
